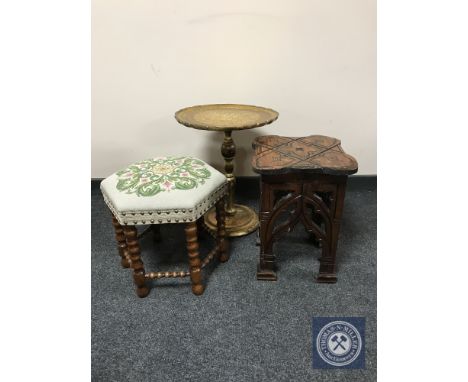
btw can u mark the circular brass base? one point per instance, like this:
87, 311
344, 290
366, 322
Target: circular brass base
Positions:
241, 223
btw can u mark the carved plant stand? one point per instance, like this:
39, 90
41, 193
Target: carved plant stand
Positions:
302, 179
166, 190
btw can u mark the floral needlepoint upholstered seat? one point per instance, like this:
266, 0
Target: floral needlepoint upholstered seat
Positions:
165, 190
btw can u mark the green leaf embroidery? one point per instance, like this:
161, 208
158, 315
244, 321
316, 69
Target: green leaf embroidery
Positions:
148, 189
199, 172
185, 183
126, 183
152, 176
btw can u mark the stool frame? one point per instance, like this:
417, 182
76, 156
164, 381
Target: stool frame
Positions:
324, 194
130, 253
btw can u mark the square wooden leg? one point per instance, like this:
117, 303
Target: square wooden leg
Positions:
327, 271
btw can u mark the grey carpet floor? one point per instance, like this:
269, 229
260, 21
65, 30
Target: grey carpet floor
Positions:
240, 329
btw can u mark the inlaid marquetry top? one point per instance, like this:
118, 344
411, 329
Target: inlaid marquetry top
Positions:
315, 154
225, 117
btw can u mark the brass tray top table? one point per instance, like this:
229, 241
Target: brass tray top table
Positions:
240, 220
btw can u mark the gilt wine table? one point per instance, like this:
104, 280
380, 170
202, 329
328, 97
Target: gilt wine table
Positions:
302, 179
240, 220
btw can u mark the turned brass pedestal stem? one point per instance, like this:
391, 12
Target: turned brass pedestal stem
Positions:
228, 150
240, 220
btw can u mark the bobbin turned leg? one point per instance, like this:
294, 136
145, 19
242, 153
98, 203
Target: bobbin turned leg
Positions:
327, 271
121, 243
194, 258
131, 235
221, 237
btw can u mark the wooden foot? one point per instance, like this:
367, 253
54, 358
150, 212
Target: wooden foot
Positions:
194, 258
221, 237
121, 243
131, 236
326, 278
265, 274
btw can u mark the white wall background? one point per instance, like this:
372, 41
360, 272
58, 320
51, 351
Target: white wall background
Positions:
314, 61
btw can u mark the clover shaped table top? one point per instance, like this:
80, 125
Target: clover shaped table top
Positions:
313, 154
221, 117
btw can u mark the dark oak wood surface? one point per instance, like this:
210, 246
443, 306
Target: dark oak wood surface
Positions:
313, 154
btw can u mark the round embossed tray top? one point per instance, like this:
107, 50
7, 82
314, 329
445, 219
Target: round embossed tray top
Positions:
225, 117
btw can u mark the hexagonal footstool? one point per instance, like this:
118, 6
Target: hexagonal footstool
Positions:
166, 190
